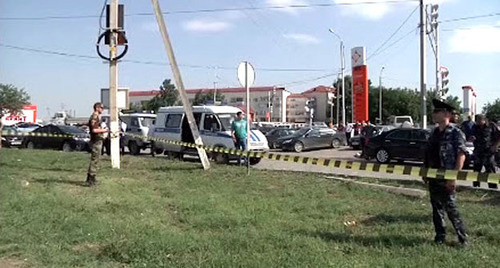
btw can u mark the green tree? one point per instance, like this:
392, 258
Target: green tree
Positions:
492, 110
167, 97
12, 101
200, 98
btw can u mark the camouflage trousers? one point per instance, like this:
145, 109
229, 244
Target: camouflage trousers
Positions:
443, 201
94, 157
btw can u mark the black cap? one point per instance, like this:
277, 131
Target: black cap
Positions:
442, 105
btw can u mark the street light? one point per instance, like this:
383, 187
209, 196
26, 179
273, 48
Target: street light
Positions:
380, 95
342, 62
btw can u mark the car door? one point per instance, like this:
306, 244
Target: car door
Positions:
53, 141
419, 143
397, 142
326, 137
312, 139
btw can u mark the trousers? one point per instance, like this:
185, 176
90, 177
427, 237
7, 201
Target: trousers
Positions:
488, 161
94, 157
443, 200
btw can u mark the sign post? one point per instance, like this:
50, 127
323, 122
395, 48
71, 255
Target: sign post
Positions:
246, 76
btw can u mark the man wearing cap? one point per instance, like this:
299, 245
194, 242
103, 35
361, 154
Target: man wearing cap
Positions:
446, 150
239, 133
96, 138
486, 138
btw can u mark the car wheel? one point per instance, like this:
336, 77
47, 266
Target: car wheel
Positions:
335, 143
275, 145
220, 158
133, 148
298, 147
30, 145
382, 156
67, 147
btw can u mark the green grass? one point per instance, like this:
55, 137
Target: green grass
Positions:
162, 213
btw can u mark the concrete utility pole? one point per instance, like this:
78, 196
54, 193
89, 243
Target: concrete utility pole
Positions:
423, 67
113, 85
380, 96
180, 85
438, 67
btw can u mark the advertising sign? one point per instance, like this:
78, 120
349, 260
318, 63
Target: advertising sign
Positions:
360, 93
358, 56
27, 115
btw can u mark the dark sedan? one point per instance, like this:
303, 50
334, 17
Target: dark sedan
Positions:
79, 140
311, 138
273, 136
9, 140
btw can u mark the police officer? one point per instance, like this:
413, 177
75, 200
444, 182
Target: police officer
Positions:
96, 139
446, 150
486, 140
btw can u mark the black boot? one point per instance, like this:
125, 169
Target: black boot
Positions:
91, 181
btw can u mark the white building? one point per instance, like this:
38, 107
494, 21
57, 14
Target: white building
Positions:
296, 112
469, 101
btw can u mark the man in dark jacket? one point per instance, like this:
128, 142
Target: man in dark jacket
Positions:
486, 140
446, 150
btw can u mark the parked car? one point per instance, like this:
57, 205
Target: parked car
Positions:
273, 135
402, 144
79, 141
10, 141
311, 138
27, 127
355, 141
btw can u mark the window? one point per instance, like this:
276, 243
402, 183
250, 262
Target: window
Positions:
239, 99
420, 135
314, 133
399, 134
255, 99
211, 123
134, 122
173, 121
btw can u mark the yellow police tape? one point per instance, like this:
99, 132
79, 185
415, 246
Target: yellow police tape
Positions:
332, 163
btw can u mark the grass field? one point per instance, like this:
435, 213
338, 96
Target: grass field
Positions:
156, 212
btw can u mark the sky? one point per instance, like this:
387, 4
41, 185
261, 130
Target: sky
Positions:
287, 41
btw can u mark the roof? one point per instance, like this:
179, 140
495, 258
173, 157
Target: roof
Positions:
201, 109
320, 89
209, 90
297, 96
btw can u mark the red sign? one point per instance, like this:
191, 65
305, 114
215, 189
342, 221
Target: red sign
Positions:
28, 114
360, 93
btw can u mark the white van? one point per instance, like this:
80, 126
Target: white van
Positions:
214, 123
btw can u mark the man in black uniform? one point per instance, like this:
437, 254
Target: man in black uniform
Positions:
446, 150
486, 140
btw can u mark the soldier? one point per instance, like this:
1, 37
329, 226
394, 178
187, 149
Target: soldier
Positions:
446, 150
486, 138
96, 139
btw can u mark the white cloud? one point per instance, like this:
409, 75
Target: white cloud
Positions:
290, 10
478, 39
206, 26
375, 11
302, 38
150, 27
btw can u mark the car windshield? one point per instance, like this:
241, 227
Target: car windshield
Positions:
226, 120
147, 121
69, 129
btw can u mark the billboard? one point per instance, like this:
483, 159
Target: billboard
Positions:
27, 115
360, 93
122, 101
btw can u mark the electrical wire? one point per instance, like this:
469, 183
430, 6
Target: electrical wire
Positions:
219, 10
471, 17
394, 33
393, 43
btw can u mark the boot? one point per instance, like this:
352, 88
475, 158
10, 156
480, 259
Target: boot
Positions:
91, 181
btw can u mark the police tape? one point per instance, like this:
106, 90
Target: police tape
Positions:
11, 133
403, 170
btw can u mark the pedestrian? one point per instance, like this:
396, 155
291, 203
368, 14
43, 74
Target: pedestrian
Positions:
239, 133
446, 150
348, 130
96, 139
467, 127
486, 138
356, 129
340, 127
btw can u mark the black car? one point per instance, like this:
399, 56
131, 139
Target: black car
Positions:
276, 133
79, 140
9, 140
400, 144
311, 138
355, 141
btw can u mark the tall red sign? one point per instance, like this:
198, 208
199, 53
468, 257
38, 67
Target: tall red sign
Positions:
360, 93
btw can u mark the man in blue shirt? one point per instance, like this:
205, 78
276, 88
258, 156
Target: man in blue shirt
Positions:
239, 133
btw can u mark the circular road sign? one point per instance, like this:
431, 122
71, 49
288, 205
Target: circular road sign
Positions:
245, 70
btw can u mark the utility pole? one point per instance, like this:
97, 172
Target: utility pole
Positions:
343, 79
113, 85
423, 67
180, 85
338, 101
380, 96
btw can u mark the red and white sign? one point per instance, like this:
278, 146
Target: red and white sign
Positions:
28, 114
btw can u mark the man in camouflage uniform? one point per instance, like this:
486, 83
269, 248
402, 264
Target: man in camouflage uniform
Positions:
96, 139
446, 150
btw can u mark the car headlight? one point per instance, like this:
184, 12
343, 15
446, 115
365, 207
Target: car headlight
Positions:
82, 139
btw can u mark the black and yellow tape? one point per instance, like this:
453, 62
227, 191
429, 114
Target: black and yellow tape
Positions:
403, 170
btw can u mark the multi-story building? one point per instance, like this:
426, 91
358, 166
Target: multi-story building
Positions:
269, 103
320, 96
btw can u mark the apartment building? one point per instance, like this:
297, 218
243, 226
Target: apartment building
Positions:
321, 95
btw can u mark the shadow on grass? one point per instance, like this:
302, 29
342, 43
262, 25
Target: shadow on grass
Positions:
47, 181
384, 219
388, 241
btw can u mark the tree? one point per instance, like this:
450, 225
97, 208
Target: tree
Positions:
12, 101
167, 97
492, 110
200, 98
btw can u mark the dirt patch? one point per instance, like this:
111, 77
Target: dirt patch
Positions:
88, 247
12, 263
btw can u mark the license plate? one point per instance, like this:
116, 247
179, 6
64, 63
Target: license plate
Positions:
16, 143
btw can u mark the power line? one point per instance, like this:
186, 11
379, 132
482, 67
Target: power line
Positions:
306, 80
394, 33
393, 43
218, 10
65, 54
471, 17
470, 28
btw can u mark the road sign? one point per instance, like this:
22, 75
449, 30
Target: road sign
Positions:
246, 74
